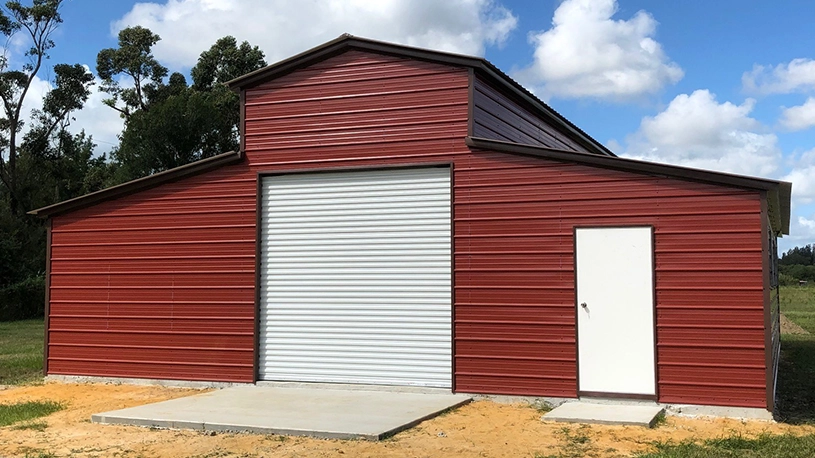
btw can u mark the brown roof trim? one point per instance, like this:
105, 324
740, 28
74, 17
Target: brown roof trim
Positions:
138, 184
481, 65
779, 191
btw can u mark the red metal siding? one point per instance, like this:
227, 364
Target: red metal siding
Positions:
158, 284
513, 248
520, 212
497, 117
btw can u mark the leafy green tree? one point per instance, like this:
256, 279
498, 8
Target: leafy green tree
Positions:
133, 58
804, 256
37, 22
224, 61
183, 128
172, 124
40, 165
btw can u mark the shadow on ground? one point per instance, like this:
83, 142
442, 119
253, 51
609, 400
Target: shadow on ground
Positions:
796, 380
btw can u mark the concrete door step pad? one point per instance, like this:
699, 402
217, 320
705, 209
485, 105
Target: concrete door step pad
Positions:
325, 413
605, 414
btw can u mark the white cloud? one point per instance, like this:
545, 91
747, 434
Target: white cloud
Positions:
799, 117
803, 183
797, 75
98, 120
283, 28
802, 231
697, 131
802, 176
587, 53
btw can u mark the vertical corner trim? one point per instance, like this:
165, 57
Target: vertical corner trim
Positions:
470, 102
768, 325
258, 222
47, 308
242, 122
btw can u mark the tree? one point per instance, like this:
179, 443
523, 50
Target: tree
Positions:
172, 124
37, 22
133, 58
804, 256
225, 61
42, 165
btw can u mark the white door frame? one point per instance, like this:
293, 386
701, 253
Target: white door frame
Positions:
581, 392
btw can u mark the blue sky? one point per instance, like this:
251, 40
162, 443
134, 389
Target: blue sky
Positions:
726, 85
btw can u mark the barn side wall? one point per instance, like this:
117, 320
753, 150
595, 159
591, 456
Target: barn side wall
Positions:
158, 284
498, 117
514, 322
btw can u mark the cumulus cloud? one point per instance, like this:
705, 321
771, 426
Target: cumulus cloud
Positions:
799, 117
802, 176
98, 120
283, 28
795, 76
587, 53
696, 130
802, 230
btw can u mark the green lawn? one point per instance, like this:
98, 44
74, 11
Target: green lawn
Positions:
21, 345
796, 371
778, 446
28, 410
798, 304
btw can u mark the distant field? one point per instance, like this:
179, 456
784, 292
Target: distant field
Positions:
798, 304
21, 345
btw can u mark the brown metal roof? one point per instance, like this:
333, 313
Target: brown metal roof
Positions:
481, 65
138, 184
778, 192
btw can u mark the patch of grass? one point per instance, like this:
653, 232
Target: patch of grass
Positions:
31, 425
796, 369
798, 304
541, 406
574, 443
29, 410
660, 419
778, 446
36, 453
796, 379
21, 351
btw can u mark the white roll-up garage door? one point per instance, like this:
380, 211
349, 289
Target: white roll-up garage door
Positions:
356, 277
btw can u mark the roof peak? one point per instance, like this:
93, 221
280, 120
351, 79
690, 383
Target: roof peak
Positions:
482, 66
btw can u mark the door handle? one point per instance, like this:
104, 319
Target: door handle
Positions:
584, 305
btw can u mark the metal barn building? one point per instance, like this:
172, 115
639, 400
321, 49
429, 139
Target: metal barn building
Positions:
400, 216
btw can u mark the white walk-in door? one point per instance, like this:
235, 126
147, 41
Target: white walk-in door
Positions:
355, 277
615, 310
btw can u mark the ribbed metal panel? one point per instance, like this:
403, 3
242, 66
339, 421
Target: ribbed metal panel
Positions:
159, 284
497, 117
355, 277
515, 277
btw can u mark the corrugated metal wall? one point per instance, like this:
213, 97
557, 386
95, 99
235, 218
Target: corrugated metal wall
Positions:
513, 249
159, 284
515, 277
497, 117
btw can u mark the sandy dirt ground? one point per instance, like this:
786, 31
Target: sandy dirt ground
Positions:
480, 429
788, 327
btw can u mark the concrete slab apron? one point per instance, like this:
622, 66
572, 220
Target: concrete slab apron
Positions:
607, 414
326, 413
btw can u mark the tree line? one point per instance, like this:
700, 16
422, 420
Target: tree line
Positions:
797, 264
168, 122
